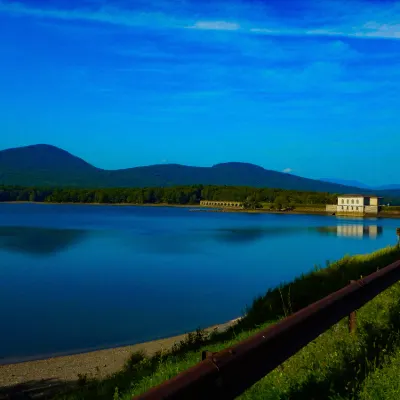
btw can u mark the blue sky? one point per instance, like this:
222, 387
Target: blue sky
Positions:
311, 87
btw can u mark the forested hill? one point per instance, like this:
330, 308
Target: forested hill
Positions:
49, 166
172, 195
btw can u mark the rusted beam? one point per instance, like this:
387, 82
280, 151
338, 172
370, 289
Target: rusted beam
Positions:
206, 354
230, 372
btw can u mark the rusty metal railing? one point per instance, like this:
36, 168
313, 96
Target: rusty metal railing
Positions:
228, 373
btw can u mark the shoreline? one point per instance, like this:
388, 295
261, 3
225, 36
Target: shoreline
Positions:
103, 204
95, 363
200, 208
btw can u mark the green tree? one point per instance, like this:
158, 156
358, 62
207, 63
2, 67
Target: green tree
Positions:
32, 196
251, 203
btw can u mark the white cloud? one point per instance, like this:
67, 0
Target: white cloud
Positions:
216, 25
287, 170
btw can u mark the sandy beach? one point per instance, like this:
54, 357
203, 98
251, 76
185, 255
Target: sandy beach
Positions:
19, 377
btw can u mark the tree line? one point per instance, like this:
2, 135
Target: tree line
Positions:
180, 195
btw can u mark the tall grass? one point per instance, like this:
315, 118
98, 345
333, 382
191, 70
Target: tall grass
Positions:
384, 382
315, 285
335, 364
338, 364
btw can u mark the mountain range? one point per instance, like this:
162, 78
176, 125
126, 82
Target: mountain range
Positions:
360, 184
44, 165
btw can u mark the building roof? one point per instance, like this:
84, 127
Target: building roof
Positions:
360, 195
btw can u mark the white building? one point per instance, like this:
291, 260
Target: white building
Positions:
356, 204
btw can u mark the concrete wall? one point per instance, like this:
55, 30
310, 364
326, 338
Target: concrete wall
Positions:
350, 208
374, 201
371, 209
332, 208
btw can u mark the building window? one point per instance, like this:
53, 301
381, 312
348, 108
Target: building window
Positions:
358, 201
347, 201
352, 201
342, 201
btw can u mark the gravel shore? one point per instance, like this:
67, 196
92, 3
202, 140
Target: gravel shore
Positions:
18, 377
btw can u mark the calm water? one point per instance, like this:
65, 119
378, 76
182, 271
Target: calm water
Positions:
74, 278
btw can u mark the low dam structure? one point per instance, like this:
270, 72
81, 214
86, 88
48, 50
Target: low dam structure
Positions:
222, 204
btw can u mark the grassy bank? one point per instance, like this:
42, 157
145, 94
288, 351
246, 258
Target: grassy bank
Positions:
384, 382
390, 211
335, 364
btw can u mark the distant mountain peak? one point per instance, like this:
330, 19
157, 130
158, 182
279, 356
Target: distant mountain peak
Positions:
43, 157
43, 145
40, 147
346, 182
36, 146
237, 164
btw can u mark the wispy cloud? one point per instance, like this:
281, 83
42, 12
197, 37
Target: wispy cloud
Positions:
216, 25
104, 14
358, 19
287, 170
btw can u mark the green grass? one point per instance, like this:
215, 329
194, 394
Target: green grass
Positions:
300, 207
384, 382
335, 364
391, 209
308, 288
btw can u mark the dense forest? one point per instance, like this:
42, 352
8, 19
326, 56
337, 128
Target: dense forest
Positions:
182, 195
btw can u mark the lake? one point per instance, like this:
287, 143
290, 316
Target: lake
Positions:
82, 277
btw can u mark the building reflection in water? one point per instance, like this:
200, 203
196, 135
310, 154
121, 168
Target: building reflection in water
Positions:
353, 230
359, 230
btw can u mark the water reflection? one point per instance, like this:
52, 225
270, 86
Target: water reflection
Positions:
352, 230
244, 235
163, 244
38, 241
